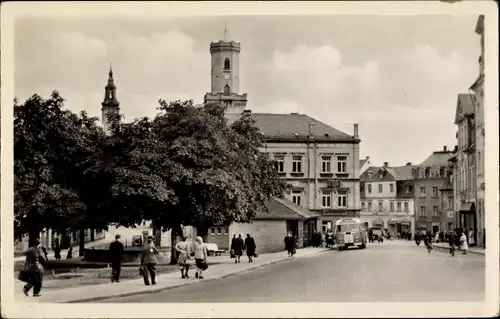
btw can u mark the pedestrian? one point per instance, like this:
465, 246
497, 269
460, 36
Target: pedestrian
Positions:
116, 251
33, 269
57, 251
200, 255
290, 243
250, 247
184, 259
463, 243
329, 238
451, 243
70, 253
471, 238
148, 262
237, 248
44, 249
429, 243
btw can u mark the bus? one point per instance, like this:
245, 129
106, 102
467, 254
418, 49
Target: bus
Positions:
350, 232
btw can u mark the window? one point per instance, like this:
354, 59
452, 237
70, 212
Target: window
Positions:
110, 95
342, 164
422, 211
399, 206
407, 207
380, 206
421, 173
435, 211
435, 192
342, 200
219, 231
370, 208
280, 163
297, 197
391, 188
369, 188
212, 231
362, 205
226, 231
450, 202
392, 206
227, 90
326, 164
326, 199
297, 164
227, 64
422, 190
380, 188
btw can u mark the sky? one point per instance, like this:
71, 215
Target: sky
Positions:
398, 77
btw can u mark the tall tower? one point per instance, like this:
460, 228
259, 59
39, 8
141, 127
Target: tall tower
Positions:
225, 76
110, 103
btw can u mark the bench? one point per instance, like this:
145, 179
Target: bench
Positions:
213, 250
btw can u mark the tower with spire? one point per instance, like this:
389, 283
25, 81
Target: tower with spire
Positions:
110, 103
225, 76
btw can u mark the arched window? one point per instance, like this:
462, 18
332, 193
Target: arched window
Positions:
227, 64
227, 90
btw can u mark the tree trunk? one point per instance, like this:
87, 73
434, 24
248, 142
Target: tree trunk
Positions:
81, 242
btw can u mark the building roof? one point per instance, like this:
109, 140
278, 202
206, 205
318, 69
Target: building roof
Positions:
362, 162
465, 106
294, 125
399, 173
283, 209
437, 159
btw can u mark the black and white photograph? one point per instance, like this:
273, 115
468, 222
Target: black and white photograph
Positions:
241, 159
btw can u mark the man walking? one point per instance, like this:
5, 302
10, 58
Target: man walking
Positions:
34, 269
116, 251
148, 262
250, 247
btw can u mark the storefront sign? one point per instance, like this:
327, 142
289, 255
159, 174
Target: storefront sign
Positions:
336, 213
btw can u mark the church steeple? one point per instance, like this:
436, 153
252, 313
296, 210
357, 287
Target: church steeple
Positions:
110, 103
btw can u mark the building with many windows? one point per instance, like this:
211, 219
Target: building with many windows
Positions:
387, 198
431, 178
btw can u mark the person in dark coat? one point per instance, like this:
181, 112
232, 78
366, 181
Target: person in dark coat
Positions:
290, 243
250, 247
237, 248
149, 261
34, 268
57, 251
116, 251
70, 253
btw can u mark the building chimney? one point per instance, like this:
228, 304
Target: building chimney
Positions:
368, 158
386, 164
408, 164
311, 129
445, 149
356, 130
455, 149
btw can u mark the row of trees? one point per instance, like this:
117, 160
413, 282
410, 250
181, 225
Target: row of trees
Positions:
186, 166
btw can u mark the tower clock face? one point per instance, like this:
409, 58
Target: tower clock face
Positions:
227, 76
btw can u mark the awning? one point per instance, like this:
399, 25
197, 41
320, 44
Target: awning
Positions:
467, 207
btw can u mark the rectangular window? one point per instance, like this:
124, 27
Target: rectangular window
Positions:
226, 231
219, 231
326, 199
370, 208
380, 188
435, 211
450, 202
296, 164
326, 162
380, 206
280, 163
369, 188
342, 200
422, 191
399, 206
407, 209
297, 197
392, 206
342, 164
421, 173
422, 211
391, 188
435, 192
212, 231
362, 205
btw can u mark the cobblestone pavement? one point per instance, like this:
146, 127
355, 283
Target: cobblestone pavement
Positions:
394, 271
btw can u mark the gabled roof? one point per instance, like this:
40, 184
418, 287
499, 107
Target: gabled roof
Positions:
362, 162
398, 173
465, 106
294, 125
437, 159
283, 209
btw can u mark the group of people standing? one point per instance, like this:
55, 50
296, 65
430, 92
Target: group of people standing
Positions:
318, 238
238, 245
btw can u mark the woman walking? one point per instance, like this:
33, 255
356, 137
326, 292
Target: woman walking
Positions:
184, 249
250, 247
463, 243
237, 248
290, 244
200, 255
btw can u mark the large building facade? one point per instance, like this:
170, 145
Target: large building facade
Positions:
387, 198
431, 184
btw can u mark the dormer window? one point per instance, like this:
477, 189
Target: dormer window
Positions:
227, 64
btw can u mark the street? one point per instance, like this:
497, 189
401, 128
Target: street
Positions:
394, 271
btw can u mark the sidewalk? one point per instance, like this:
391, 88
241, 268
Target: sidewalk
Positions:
473, 250
226, 268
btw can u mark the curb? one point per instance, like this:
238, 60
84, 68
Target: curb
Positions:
187, 283
469, 251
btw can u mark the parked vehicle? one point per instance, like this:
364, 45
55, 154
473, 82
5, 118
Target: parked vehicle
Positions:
376, 234
350, 232
137, 241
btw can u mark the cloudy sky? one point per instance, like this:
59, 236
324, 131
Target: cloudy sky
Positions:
398, 77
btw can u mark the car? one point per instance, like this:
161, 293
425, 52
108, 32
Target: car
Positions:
376, 234
137, 241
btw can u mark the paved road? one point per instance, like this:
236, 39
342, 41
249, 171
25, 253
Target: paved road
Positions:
397, 271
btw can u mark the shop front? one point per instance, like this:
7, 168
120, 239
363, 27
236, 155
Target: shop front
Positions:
403, 227
468, 218
329, 217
